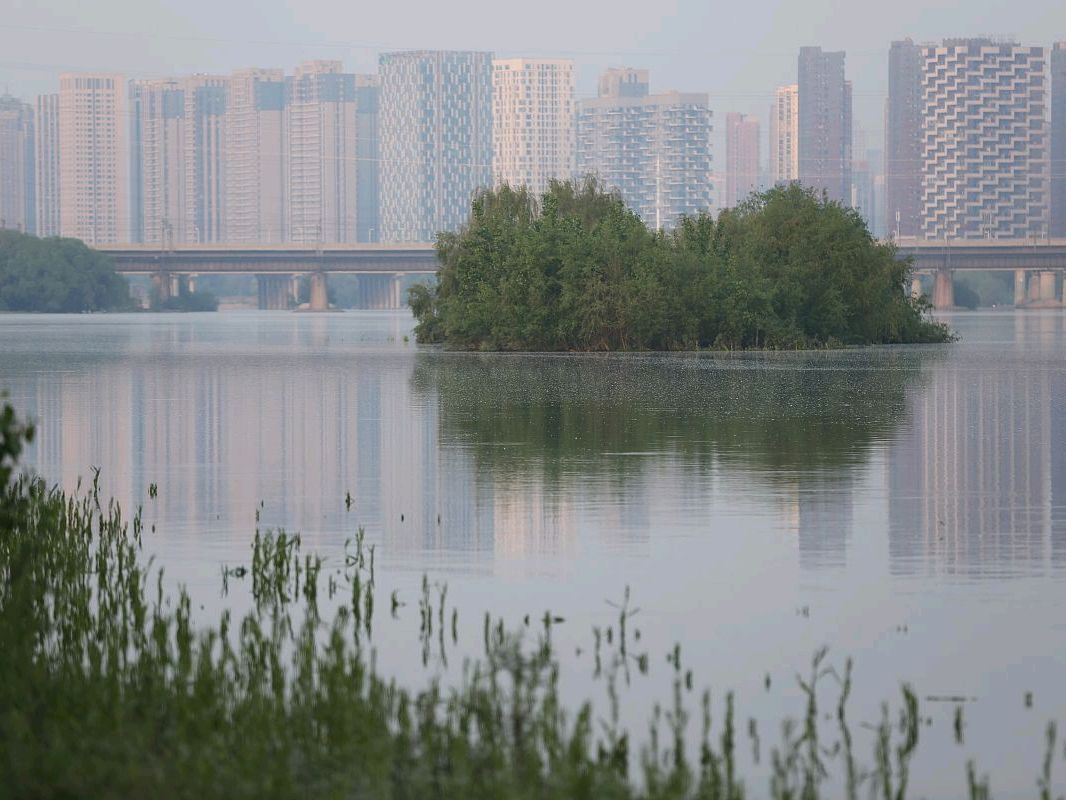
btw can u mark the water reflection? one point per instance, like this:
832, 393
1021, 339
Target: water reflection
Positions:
977, 479
802, 425
493, 459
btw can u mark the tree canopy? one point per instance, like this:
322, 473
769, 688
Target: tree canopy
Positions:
577, 270
56, 275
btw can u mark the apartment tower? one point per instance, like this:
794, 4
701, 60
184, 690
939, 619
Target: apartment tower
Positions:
784, 135
654, 149
984, 140
46, 168
93, 158
436, 140
368, 158
157, 165
205, 149
742, 157
254, 210
532, 121
177, 135
824, 123
320, 176
17, 207
1058, 140
903, 142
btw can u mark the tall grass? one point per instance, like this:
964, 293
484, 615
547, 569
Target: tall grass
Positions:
108, 689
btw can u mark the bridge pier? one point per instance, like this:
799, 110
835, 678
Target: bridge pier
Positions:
1020, 280
275, 292
375, 291
397, 291
319, 299
1047, 289
162, 286
916, 287
943, 290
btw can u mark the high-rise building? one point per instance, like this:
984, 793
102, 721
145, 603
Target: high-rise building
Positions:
205, 147
320, 189
654, 149
532, 121
157, 164
984, 140
436, 140
46, 169
93, 158
741, 157
255, 157
824, 123
177, 139
903, 145
864, 195
17, 206
368, 157
784, 135
1058, 140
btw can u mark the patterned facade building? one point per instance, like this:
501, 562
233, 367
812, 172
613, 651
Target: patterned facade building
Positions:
93, 158
784, 135
436, 140
1058, 140
46, 168
532, 121
655, 150
741, 157
984, 140
903, 144
17, 206
255, 157
320, 175
824, 123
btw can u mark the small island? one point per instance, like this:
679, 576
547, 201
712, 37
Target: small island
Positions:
575, 270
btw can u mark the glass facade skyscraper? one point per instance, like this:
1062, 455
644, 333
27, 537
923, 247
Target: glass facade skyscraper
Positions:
436, 140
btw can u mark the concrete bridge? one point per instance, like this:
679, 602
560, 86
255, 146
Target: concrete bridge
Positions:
1036, 264
279, 267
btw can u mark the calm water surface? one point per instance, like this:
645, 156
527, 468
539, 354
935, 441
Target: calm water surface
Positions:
904, 506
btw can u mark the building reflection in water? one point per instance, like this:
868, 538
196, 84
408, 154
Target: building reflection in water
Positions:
505, 459
977, 478
819, 508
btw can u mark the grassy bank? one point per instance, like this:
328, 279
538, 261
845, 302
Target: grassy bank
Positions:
108, 689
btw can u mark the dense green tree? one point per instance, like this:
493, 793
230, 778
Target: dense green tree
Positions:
577, 270
56, 275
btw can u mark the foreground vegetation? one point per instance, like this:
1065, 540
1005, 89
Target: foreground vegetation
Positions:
57, 275
577, 270
108, 689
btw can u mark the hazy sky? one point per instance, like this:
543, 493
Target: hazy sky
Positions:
737, 51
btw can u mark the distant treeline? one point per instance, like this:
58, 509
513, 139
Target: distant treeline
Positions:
57, 275
577, 270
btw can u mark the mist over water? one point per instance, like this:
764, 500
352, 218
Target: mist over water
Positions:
906, 506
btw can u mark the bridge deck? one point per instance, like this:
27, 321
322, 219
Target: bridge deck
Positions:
928, 256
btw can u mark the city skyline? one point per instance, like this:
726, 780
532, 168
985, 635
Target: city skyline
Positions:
264, 156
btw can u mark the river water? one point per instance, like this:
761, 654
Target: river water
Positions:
904, 506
